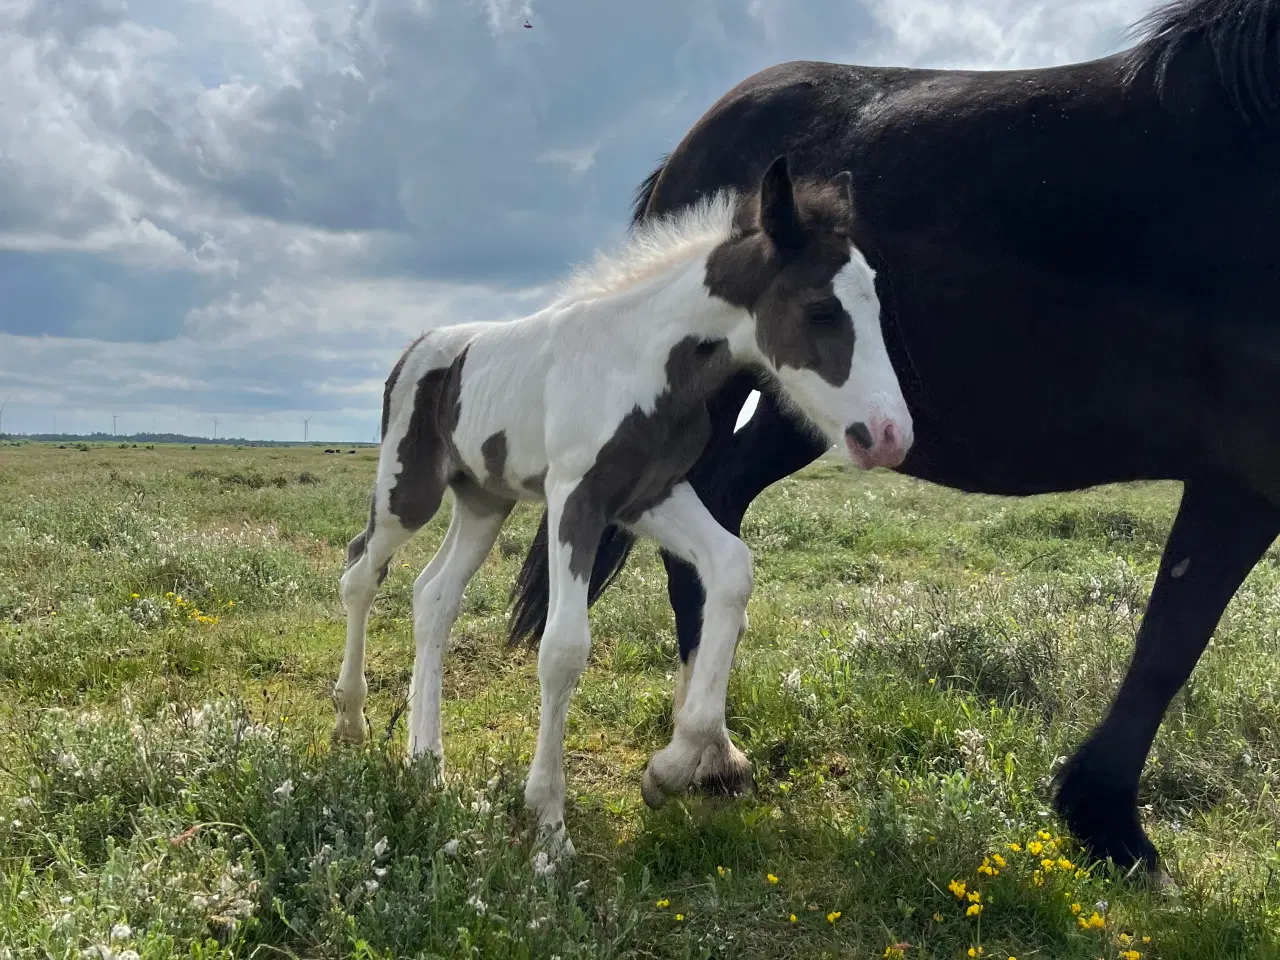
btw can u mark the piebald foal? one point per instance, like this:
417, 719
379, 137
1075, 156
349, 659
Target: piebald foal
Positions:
597, 405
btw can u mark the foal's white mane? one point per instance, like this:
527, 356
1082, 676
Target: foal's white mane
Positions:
655, 245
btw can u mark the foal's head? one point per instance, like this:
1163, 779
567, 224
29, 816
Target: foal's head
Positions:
812, 298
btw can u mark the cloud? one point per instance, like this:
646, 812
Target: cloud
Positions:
244, 208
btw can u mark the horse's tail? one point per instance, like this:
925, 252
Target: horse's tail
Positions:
531, 594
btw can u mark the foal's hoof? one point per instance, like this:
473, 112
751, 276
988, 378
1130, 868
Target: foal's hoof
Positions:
651, 792
348, 731
724, 771
553, 844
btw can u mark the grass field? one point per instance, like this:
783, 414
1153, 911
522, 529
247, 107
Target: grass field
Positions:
918, 664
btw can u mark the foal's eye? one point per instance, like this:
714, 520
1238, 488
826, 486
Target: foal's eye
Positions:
824, 314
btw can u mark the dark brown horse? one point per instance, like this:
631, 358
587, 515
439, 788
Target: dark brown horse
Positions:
1079, 274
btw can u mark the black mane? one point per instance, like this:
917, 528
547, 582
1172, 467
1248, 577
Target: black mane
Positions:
640, 199
1242, 36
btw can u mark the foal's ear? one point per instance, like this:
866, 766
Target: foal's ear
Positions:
778, 216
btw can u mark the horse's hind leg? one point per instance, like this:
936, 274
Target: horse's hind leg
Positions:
437, 598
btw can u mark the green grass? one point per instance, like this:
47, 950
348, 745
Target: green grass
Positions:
918, 662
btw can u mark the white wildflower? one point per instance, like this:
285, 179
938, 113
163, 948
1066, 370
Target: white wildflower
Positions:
476, 904
67, 761
792, 680
26, 803
285, 790
99, 952
371, 887
450, 849
128, 955
121, 931
973, 747
381, 847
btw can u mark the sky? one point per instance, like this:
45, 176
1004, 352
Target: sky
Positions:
243, 210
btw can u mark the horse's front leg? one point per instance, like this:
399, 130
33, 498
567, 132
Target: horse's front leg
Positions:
575, 525
700, 746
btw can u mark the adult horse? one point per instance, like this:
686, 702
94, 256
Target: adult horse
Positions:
1078, 270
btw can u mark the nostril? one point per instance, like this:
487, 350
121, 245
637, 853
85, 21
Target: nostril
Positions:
861, 435
890, 436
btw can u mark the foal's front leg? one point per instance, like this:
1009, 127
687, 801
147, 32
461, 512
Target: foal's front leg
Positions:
562, 657
700, 747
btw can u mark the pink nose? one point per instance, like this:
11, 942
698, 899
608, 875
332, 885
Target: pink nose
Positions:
877, 443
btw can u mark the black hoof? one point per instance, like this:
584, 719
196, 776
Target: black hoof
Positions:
1101, 811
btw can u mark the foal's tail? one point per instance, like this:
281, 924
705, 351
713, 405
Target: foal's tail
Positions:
531, 594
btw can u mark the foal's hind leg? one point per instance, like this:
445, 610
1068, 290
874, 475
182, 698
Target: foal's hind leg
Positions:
367, 558
701, 746
437, 598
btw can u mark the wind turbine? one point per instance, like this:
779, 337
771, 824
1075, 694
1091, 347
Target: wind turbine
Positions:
2, 406
113, 424
305, 422
215, 428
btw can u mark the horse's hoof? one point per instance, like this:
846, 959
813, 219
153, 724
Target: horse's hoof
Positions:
351, 734
725, 773
654, 796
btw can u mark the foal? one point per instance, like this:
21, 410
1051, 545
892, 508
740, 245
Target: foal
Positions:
597, 405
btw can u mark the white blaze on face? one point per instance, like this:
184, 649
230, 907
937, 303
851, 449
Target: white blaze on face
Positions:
870, 394
873, 385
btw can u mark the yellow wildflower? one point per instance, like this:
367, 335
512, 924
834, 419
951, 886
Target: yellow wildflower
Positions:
1037, 878
999, 860
1066, 864
793, 918
987, 869
133, 596
1124, 939
772, 879
957, 887
1130, 955
1075, 909
679, 917
977, 951
1035, 847
1093, 922
974, 896
1146, 940
974, 910
1015, 847
1047, 865
1045, 835
720, 870
833, 916
662, 904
